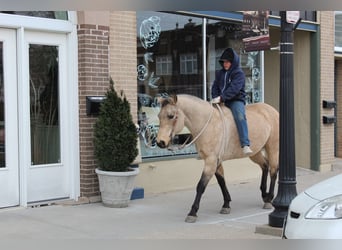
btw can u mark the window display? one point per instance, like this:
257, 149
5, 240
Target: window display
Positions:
170, 61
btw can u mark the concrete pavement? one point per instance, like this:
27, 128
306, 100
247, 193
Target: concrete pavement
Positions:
157, 216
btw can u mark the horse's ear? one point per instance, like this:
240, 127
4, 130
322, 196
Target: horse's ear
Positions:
173, 99
159, 99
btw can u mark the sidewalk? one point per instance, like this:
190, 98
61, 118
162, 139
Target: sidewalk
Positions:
154, 217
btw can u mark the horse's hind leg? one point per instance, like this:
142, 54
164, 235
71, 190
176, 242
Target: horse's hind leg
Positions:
267, 196
222, 183
264, 165
273, 170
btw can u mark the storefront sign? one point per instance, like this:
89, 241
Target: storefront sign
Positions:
292, 16
255, 30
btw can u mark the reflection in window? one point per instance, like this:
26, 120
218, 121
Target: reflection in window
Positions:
62, 15
169, 49
44, 104
188, 64
2, 111
222, 34
338, 30
170, 60
305, 15
164, 65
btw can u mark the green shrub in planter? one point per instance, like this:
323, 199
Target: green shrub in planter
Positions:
115, 134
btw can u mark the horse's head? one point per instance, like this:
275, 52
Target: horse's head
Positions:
171, 121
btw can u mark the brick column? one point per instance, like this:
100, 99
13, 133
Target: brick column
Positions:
327, 84
123, 55
93, 51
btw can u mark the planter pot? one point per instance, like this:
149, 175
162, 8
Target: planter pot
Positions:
116, 187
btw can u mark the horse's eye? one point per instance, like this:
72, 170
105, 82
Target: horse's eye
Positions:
170, 117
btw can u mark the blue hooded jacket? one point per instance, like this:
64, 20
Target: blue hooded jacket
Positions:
229, 84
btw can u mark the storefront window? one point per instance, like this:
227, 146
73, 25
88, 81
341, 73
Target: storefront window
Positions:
170, 61
62, 15
338, 31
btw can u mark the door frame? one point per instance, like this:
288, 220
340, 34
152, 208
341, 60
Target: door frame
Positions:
10, 174
22, 24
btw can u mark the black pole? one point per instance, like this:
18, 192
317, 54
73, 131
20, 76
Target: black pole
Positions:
287, 161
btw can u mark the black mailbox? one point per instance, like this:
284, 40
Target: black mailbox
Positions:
329, 104
93, 104
329, 119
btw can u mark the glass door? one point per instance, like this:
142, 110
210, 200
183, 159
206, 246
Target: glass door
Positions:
48, 173
9, 169
39, 143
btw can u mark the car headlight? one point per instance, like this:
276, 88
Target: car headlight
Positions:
330, 208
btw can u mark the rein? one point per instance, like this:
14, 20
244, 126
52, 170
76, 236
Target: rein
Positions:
184, 145
225, 132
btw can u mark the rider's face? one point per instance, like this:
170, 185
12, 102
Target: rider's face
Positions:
226, 64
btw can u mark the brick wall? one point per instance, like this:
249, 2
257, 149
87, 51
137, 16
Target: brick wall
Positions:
123, 55
93, 52
327, 83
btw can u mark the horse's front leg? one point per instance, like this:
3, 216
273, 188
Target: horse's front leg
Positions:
207, 174
222, 183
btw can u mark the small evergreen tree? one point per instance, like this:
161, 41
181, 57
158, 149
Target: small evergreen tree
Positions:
115, 134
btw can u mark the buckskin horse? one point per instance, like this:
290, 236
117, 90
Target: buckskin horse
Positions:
216, 139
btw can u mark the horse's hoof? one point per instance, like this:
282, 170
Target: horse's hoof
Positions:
225, 210
267, 205
190, 219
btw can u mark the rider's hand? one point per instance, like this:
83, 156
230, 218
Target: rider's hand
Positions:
216, 100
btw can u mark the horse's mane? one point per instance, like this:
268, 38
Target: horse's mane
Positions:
192, 97
166, 101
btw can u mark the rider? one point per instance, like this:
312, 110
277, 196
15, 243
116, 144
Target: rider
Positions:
229, 88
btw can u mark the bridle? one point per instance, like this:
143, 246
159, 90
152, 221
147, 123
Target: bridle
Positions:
184, 145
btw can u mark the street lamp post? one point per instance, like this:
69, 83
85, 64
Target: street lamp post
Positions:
287, 161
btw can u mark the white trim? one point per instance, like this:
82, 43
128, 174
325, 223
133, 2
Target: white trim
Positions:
73, 114
204, 57
72, 17
262, 67
23, 117
338, 49
35, 23
9, 182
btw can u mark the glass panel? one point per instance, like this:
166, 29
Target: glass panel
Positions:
222, 35
44, 104
305, 15
169, 49
2, 111
62, 15
338, 29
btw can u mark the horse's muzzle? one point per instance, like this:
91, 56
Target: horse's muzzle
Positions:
161, 144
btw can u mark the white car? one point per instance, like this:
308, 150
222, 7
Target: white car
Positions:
316, 213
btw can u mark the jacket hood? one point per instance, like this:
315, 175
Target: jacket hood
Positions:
230, 55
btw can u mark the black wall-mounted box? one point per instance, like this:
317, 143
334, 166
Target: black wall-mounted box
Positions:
328, 104
93, 104
329, 119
